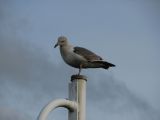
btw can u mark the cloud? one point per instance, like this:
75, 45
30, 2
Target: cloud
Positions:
29, 78
9, 114
112, 99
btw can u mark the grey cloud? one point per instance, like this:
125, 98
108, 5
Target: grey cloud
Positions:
9, 114
29, 79
113, 100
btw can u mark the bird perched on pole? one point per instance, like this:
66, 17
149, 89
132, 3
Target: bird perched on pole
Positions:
79, 57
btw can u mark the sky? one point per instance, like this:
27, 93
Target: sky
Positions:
32, 73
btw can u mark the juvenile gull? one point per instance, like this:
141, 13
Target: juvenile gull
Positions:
79, 57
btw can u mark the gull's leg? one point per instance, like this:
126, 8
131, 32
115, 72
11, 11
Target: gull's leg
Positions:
80, 68
79, 71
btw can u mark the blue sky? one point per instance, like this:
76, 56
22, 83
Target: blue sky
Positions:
125, 33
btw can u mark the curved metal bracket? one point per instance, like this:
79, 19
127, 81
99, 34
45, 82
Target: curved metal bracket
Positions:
70, 105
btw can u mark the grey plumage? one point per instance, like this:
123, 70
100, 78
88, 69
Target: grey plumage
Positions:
87, 54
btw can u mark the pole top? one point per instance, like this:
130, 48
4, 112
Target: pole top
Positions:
73, 77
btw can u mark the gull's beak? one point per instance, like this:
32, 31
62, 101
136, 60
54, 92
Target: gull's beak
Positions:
56, 45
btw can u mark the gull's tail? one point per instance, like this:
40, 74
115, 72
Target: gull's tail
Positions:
104, 64
107, 65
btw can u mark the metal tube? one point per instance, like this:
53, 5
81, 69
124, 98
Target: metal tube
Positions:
70, 105
81, 99
77, 93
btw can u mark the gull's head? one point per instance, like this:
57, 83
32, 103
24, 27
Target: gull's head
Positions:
62, 41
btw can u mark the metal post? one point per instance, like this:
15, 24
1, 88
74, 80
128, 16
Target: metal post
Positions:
77, 93
76, 103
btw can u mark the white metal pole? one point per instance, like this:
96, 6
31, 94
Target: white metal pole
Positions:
77, 93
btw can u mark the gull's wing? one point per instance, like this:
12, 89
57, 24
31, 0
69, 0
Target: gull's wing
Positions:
87, 54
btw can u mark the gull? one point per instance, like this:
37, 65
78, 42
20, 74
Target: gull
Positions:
79, 57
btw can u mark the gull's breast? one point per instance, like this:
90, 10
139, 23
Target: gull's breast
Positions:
72, 58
